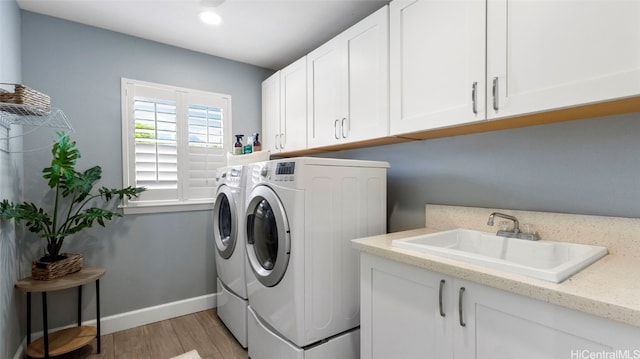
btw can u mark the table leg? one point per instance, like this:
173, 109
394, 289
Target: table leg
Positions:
98, 311
45, 325
79, 305
28, 318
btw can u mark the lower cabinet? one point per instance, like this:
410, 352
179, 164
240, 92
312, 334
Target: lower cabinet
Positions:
399, 312
408, 312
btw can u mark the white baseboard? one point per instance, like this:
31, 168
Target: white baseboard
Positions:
136, 318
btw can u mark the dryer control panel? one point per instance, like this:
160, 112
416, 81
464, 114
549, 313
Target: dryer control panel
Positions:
285, 168
279, 171
284, 172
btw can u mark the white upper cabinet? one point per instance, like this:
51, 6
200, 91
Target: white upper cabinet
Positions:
271, 113
284, 109
293, 106
327, 94
348, 84
540, 56
419, 65
545, 55
437, 64
368, 71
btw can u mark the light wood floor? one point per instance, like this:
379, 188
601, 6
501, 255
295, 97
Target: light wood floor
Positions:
202, 331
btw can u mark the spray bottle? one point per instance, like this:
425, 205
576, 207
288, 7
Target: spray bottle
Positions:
237, 147
257, 146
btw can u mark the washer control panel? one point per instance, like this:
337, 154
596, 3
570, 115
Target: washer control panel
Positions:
229, 175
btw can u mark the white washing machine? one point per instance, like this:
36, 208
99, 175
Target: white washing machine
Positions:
303, 274
230, 253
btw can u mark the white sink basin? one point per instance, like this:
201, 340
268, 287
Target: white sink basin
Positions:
547, 260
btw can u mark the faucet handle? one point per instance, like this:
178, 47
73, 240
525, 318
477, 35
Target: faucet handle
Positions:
505, 226
527, 228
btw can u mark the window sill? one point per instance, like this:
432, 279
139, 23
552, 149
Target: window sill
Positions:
166, 206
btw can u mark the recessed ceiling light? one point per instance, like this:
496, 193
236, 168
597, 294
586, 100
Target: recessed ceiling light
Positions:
209, 17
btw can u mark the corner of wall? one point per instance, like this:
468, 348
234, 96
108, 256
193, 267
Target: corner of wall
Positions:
11, 169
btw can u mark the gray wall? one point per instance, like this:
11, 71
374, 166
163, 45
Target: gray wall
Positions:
10, 188
586, 167
150, 259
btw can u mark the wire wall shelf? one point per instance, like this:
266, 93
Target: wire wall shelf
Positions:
26, 115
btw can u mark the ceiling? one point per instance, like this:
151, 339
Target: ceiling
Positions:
265, 33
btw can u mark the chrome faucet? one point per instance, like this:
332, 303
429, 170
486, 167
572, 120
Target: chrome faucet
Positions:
515, 233
516, 224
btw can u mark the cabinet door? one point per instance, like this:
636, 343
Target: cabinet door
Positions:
437, 63
271, 113
400, 311
368, 58
327, 92
502, 325
293, 97
545, 55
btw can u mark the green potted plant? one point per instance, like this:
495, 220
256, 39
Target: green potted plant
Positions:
70, 213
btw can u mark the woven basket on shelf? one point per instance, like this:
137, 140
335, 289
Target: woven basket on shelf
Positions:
57, 269
38, 102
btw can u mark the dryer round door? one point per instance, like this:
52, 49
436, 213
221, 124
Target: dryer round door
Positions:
225, 223
268, 239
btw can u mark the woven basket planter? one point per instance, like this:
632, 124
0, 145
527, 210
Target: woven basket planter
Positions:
51, 270
37, 102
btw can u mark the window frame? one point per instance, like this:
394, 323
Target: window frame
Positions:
181, 202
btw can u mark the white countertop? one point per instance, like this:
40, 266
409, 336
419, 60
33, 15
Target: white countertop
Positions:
609, 288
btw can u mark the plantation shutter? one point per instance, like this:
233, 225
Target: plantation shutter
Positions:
206, 143
155, 142
174, 141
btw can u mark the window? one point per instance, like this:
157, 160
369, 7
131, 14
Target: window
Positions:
173, 142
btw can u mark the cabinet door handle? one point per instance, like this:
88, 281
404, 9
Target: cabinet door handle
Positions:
440, 298
460, 294
277, 142
343, 127
335, 129
495, 93
474, 97
282, 144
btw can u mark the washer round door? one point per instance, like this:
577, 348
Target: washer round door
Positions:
225, 224
268, 239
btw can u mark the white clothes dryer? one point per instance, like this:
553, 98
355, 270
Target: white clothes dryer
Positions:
303, 274
230, 253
